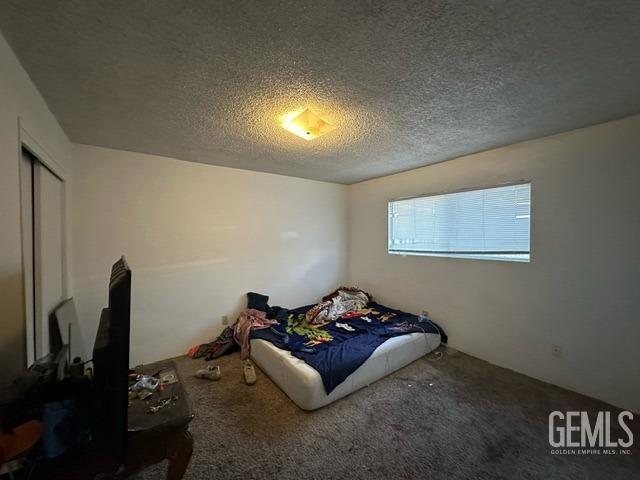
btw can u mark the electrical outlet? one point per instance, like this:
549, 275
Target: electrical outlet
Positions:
556, 351
225, 320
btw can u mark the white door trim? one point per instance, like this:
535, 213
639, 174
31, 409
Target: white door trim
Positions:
30, 142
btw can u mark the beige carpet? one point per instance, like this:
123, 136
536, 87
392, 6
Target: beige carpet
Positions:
458, 417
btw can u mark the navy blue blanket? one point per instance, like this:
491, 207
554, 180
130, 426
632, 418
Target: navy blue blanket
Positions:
339, 348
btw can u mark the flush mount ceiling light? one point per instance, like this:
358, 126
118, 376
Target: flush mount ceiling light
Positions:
306, 124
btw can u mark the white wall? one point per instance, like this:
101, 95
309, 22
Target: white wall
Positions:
581, 290
19, 101
198, 237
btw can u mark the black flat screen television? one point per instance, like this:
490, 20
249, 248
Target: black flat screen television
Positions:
111, 362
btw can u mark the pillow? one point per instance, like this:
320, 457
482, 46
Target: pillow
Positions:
257, 301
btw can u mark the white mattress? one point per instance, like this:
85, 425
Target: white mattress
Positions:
303, 384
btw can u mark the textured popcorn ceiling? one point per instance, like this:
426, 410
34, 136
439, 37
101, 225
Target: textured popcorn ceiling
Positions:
406, 83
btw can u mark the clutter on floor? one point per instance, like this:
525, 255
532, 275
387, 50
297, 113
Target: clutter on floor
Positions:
209, 373
222, 345
455, 421
249, 320
249, 373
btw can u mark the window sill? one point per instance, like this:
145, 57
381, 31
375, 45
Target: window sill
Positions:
518, 258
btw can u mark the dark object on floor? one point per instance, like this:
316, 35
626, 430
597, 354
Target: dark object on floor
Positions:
456, 418
150, 439
222, 345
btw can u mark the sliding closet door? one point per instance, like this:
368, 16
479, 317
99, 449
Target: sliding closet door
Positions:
26, 210
48, 208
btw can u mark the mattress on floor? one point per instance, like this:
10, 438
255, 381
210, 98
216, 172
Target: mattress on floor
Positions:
303, 384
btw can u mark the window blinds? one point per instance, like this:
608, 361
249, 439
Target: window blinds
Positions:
490, 223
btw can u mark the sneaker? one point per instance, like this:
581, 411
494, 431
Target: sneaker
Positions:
249, 373
209, 373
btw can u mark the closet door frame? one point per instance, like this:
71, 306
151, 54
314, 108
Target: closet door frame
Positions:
28, 142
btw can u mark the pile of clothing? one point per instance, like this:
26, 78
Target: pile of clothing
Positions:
335, 305
220, 346
257, 315
249, 320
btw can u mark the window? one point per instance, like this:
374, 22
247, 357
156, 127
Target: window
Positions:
489, 223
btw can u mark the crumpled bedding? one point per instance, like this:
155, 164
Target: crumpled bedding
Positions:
347, 300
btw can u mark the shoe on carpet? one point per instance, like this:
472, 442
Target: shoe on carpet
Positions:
209, 373
249, 373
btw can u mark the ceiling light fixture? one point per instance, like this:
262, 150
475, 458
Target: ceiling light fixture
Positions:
306, 124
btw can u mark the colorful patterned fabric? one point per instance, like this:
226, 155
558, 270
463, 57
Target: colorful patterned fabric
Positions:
249, 320
346, 301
